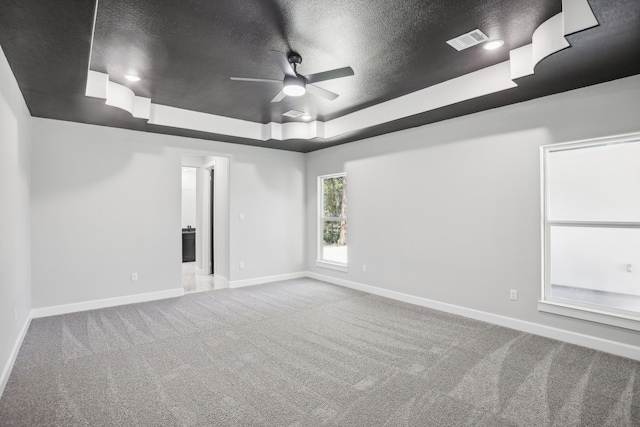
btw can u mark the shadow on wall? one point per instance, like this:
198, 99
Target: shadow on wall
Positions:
85, 164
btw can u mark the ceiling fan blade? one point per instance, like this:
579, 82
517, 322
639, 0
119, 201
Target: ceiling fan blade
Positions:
283, 62
278, 97
329, 75
322, 93
251, 79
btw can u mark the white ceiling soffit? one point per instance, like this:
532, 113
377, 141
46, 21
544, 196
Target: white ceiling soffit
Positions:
547, 39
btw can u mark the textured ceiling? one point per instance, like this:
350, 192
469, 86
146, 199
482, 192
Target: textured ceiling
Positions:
186, 51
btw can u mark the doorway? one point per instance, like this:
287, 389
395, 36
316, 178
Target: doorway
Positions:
210, 269
192, 280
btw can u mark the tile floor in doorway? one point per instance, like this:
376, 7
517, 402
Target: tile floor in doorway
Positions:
195, 282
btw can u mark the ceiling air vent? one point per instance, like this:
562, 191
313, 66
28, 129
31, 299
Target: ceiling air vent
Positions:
293, 113
464, 41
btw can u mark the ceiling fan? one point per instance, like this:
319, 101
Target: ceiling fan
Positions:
295, 84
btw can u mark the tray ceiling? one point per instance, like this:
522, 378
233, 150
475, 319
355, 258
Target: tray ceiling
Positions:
405, 74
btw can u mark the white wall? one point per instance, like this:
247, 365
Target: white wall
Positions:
451, 211
268, 188
188, 197
15, 229
222, 219
106, 203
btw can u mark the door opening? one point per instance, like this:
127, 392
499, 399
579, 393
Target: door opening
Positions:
211, 267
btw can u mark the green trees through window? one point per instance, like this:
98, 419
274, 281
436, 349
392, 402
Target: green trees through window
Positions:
334, 218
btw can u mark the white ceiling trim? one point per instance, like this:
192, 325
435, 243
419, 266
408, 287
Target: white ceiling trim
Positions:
547, 39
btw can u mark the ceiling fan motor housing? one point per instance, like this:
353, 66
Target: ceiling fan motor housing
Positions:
294, 58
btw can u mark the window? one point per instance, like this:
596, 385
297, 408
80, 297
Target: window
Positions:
332, 230
591, 230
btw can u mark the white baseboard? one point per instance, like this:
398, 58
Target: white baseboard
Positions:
103, 303
267, 279
607, 346
221, 281
6, 370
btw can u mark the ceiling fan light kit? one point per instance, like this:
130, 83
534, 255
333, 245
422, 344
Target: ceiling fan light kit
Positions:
294, 86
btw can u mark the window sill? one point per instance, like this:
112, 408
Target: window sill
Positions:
332, 265
590, 314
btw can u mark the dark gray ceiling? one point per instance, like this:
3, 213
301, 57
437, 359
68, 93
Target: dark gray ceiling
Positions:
186, 51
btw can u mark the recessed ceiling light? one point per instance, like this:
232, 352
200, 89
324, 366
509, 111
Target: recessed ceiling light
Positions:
305, 117
132, 78
492, 45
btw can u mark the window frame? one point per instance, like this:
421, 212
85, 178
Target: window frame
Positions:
591, 312
321, 219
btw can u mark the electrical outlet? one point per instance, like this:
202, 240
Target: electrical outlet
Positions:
364, 268
134, 277
513, 294
241, 265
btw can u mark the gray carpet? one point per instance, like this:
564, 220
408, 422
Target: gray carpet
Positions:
306, 353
